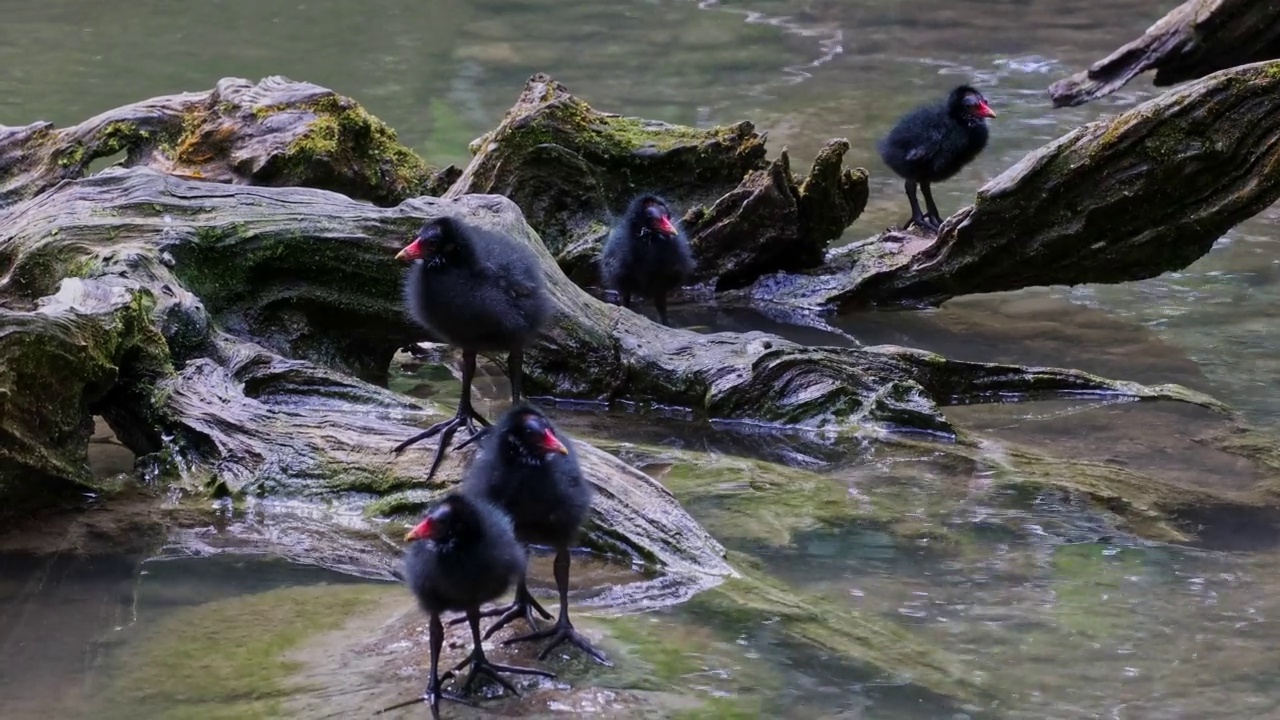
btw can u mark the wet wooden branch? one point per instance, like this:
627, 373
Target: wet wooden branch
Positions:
274, 132
310, 274
1124, 198
1195, 39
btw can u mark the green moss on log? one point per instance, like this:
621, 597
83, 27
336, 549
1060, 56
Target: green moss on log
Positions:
87, 344
345, 134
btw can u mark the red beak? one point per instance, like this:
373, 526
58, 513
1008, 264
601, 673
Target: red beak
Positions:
665, 225
984, 110
412, 251
420, 531
551, 443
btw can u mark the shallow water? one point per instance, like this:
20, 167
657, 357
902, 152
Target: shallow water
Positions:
1042, 595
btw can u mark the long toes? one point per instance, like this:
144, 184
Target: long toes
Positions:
493, 675
475, 438
449, 431
528, 617
517, 670
530, 602
453, 671
499, 624
460, 699
591, 650
473, 414
574, 638
535, 635
556, 641
435, 462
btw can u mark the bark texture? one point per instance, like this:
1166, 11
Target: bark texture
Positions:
1126, 198
274, 132
1195, 39
571, 169
233, 327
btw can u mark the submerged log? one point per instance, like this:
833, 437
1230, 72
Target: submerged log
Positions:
1195, 39
245, 422
209, 386
1125, 198
571, 168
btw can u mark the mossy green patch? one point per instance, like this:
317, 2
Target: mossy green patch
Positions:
372, 479
221, 266
755, 501
344, 134
724, 708
100, 351
72, 155
1085, 574
226, 659
878, 645
672, 653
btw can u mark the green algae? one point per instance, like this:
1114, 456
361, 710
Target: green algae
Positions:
227, 658
875, 644
346, 135
1081, 574
106, 351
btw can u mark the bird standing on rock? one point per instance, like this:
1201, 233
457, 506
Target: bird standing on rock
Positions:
524, 468
932, 143
646, 254
463, 554
481, 291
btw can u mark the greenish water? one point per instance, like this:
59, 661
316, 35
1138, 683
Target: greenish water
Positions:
1040, 594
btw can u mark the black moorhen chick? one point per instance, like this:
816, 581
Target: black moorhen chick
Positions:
524, 468
478, 290
645, 254
932, 143
466, 554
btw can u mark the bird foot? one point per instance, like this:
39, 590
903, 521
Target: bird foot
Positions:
560, 633
432, 696
480, 665
476, 436
467, 418
524, 606
924, 222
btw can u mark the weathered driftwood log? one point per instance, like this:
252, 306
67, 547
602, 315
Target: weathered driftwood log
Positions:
82, 347
571, 169
275, 132
1125, 198
244, 421
568, 167
310, 274
299, 269
1195, 39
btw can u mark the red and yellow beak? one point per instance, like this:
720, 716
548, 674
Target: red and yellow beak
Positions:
551, 443
419, 531
412, 251
665, 225
984, 110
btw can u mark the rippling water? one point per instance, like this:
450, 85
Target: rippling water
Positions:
1039, 593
